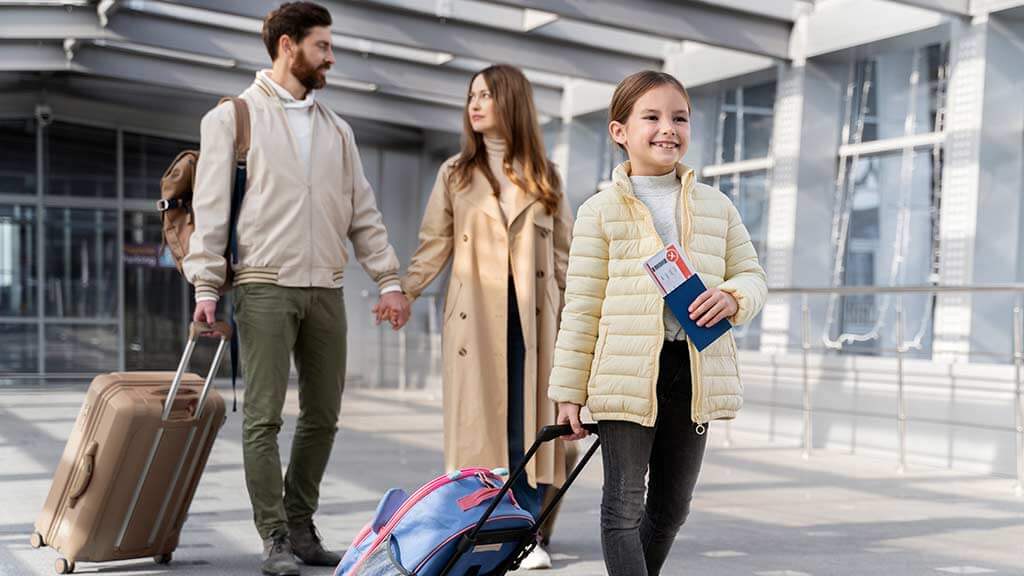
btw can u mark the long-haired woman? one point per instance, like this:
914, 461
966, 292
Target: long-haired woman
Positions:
497, 212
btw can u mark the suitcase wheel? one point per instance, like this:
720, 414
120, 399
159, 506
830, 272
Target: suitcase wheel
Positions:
62, 566
163, 558
36, 540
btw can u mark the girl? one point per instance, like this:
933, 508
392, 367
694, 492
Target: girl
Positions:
620, 350
497, 210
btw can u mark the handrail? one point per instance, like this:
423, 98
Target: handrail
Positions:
920, 289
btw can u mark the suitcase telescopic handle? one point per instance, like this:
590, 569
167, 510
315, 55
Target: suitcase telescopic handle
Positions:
197, 330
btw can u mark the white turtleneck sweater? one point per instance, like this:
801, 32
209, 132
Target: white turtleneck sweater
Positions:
661, 196
496, 148
300, 117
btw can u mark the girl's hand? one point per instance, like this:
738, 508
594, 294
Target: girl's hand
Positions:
569, 413
712, 306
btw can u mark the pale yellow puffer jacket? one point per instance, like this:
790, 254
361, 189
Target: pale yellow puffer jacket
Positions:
612, 329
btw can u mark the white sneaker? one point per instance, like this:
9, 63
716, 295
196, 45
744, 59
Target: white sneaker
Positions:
538, 559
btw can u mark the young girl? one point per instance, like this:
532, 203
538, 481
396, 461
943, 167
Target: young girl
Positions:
621, 352
497, 212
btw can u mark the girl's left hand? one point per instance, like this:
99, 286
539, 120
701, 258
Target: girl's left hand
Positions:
712, 306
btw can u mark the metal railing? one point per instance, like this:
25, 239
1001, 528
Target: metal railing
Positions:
901, 350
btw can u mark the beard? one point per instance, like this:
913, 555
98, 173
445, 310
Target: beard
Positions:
311, 77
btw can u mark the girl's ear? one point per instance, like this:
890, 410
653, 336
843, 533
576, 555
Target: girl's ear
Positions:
617, 130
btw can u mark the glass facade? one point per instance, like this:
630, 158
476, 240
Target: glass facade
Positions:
85, 283
745, 123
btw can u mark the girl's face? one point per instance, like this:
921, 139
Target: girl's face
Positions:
480, 108
657, 132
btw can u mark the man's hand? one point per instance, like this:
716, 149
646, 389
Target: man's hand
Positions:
711, 306
206, 311
569, 413
394, 307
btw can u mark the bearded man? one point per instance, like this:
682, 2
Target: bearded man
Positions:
304, 195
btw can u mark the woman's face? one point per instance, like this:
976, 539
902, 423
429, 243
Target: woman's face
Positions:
657, 132
480, 108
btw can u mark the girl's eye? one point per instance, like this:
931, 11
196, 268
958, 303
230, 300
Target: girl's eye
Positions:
649, 117
682, 119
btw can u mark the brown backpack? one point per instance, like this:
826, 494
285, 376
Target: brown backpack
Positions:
176, 187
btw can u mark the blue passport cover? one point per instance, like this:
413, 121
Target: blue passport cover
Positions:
679, 301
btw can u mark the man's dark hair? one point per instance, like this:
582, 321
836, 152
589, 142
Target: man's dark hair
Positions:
293, 19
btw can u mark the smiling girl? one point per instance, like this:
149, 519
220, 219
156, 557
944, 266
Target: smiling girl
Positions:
622, 353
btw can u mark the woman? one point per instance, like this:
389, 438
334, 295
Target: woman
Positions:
498, 212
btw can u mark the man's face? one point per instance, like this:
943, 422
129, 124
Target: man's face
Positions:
313, 57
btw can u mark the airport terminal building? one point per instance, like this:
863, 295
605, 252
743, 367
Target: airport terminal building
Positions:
868, 144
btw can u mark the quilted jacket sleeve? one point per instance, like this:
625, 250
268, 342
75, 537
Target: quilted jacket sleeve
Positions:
744, 277
585, 284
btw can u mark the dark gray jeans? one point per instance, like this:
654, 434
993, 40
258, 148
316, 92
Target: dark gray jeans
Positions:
636, 538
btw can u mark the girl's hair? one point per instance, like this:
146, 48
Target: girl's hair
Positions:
633, 87
516, 120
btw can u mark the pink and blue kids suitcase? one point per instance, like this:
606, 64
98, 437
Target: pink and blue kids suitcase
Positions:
466, 523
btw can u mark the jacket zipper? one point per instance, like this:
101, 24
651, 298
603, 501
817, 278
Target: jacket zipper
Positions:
695, 379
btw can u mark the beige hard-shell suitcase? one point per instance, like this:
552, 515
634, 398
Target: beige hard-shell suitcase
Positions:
123, 487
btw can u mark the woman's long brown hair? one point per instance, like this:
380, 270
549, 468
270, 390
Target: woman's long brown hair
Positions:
516, 119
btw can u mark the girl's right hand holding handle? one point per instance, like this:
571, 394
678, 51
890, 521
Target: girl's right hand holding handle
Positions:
569, 413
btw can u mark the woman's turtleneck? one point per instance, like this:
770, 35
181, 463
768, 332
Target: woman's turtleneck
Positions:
496, 148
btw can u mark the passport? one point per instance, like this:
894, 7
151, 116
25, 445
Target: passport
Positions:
680, 285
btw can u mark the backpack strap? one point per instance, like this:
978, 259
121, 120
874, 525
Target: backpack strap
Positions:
243, 131
243, 138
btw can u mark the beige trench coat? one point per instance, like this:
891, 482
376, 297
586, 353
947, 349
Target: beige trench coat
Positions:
468, 227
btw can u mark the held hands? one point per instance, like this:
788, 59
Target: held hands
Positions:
712, 306
569, 413
393, 307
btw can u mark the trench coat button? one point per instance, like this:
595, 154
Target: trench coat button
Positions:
462, 351
538, 311
543, 233
465, 237
462, 315
540, 273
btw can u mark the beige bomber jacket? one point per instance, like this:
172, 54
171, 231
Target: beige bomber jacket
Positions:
293, 223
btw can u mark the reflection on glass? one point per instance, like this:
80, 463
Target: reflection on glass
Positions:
884, 95
145, 160
18, 260
156, 308
81, 349
749, 193
18, 161
19, 347
80, 161
81, 263
888, 240
745, 123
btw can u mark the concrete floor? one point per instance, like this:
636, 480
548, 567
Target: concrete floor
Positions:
760, 509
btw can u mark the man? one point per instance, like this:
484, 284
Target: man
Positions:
305, 194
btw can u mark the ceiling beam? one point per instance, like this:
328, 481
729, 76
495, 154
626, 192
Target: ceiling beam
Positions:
960, 8
416, 30
391, 75
678, 20
106, 62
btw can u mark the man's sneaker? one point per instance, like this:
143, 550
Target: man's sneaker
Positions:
308, 546
277, 557
537, 559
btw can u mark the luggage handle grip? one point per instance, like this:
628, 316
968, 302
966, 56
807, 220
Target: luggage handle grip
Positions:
549, 433
197, 330
219, 329
84, 477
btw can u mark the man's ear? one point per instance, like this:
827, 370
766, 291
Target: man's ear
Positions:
286, 46
617, 130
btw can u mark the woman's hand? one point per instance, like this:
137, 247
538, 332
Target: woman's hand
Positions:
569, 413
711, 306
